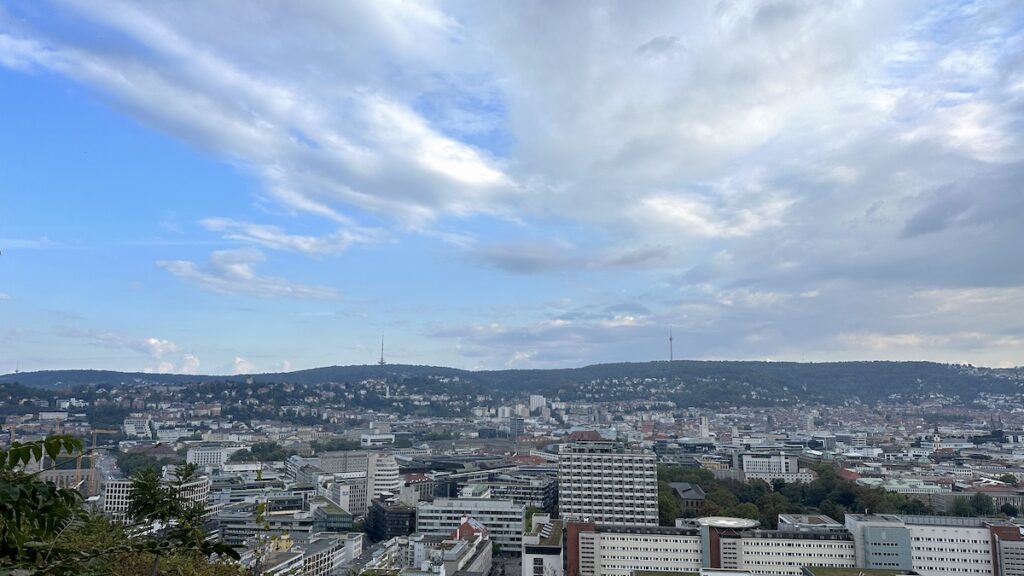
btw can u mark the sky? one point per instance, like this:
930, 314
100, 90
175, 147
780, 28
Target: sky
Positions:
239, 186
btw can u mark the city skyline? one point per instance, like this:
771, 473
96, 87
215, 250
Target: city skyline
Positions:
509, 185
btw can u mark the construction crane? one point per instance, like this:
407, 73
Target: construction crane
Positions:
93, 485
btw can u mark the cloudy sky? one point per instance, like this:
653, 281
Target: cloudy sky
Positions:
247, 186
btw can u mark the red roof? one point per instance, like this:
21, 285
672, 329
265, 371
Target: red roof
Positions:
847, 474
469, 528
584, 435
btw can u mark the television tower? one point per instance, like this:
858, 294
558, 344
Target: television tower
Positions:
671, 357
381, 349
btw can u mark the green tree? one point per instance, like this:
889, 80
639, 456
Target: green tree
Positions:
961, 507
745, 510
982, 505
33, 512
1008, 478
1009, 509
669, 506
262, 452
179, 522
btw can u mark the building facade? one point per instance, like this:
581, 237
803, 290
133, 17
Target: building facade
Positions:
605, 483
503, 518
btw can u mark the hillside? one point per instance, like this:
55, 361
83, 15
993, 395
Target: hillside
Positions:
688, 382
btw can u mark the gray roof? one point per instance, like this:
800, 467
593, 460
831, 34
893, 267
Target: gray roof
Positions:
687, 491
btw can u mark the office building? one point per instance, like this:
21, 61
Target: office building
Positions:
503, 518
117, 493
937, 545
777, 466
713, 543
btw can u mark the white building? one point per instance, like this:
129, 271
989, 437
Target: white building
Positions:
382, 475
375, 439
768, 467
605, 483
543, 554
467, 548
537, 402
212, 456
320, 555
348, 491
136, 427
931, 545
504, 518
117, 494
715, 543
621, 550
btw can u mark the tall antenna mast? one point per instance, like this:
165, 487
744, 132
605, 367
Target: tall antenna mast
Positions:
381, 349
671, 355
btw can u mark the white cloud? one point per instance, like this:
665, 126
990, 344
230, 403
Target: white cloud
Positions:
189, 364
233, 272
775, 177
159, 348
274, 237
243, 366
4, 296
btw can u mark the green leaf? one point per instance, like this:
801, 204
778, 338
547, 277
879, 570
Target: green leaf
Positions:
52, 449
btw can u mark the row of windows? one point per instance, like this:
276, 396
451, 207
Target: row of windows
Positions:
804, 544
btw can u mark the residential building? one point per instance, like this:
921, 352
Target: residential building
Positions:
603, 482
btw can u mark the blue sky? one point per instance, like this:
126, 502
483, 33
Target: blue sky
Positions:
248, 186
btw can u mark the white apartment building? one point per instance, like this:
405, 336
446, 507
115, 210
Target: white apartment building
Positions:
116, 495
604, 482
212, 456
136, 427
537, 402
504, 518
768, 467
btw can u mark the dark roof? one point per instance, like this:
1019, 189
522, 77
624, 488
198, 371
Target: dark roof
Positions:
687, 491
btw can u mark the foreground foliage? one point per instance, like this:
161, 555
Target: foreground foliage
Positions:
46, 530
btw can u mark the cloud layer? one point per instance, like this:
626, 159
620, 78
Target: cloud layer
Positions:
786, 179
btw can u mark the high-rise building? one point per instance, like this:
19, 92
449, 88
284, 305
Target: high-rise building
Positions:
516, 427
382, 475
605, 482
537, 402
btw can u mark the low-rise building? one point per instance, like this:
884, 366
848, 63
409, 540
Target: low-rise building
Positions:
503, 518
